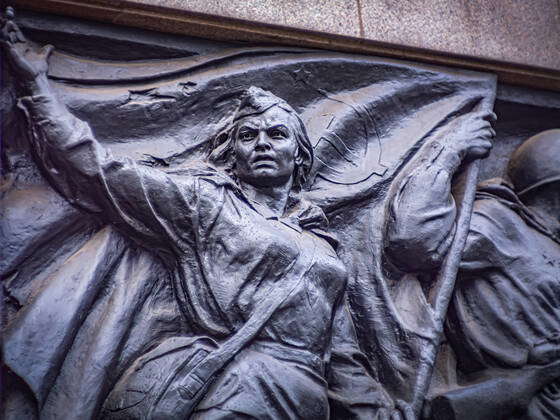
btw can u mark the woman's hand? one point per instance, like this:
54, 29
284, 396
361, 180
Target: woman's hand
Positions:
28, 64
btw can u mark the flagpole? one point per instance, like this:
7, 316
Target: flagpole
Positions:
441, 294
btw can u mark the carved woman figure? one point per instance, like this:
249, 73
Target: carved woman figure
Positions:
259, 283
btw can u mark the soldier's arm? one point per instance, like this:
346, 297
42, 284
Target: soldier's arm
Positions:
422, 209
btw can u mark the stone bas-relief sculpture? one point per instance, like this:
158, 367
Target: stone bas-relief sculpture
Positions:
255, 233
503, 323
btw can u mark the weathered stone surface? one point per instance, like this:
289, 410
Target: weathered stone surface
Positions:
518, 32
339, 17
517, 41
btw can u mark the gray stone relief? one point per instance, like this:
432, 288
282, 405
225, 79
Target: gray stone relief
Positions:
232, 231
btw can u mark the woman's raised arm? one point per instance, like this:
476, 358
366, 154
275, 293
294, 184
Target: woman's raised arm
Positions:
144, 202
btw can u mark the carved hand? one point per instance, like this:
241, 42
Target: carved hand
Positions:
402, 411
28, 64
472, 135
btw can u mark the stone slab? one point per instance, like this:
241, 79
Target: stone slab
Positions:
519, 41
338, 17
521, 32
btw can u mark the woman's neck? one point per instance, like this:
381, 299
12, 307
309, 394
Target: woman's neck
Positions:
273, 199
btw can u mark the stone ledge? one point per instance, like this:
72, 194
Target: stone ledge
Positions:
283, 23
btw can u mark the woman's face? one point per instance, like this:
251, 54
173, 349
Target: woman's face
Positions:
266, 148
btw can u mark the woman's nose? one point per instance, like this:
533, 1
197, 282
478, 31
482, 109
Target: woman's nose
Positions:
263, 141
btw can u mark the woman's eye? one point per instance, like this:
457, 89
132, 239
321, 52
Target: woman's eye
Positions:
277, 133
246, 135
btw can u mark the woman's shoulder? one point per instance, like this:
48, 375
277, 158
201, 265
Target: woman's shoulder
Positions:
204, 180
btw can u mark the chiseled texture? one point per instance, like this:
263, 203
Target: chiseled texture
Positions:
508, 295
506, 300
503, 280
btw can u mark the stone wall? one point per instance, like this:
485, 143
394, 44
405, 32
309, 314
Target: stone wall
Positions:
518, 40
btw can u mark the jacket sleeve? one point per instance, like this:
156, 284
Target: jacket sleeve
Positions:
146, 203
494, 231
422, 212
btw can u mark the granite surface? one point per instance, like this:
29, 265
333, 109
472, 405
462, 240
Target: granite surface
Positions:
518, 40
333, 16
524, 32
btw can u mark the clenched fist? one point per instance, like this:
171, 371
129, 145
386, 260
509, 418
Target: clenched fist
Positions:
472, 134
27, 63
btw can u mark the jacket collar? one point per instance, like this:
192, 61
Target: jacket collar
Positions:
300, 213
499, 189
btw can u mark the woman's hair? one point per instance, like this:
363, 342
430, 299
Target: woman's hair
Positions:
223, 154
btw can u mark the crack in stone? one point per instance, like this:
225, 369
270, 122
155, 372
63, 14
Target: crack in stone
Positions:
360, 18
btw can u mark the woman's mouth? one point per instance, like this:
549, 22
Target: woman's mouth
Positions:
263, 159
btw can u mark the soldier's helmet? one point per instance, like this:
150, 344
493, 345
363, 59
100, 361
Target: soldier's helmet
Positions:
536, 162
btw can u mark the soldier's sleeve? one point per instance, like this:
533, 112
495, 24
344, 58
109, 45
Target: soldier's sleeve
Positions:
494, 234
422, 211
